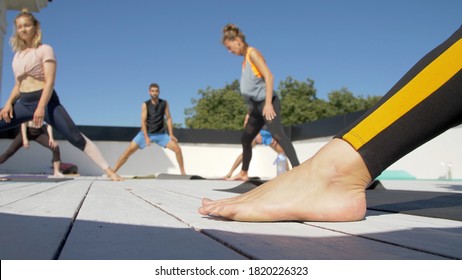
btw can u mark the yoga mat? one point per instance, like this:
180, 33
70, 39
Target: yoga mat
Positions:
144, 177
245, 186
428, 204
165, 176
33, 178
375, 185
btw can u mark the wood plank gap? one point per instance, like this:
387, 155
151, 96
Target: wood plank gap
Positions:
196, 229
71, 225
32, 195
224, 243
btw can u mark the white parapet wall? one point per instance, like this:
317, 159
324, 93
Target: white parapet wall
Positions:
433, 160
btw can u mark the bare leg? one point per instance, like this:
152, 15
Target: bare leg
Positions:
172, 145
94, 153
236, 163
113, 175
328, 187
241, 176
133, 147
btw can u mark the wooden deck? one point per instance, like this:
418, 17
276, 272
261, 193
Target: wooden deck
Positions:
92, 218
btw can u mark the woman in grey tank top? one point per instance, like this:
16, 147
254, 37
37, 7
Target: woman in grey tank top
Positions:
263, 105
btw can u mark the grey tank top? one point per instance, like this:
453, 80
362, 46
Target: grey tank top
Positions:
253, 86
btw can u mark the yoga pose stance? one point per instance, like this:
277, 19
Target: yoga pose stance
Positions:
42, 135
33, 96
263, 105
153, 113
330, 186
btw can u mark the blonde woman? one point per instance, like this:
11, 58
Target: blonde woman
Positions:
33, 96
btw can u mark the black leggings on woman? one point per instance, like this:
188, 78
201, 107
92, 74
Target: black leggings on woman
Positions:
55, 115
39, 135
255, 122
423, 104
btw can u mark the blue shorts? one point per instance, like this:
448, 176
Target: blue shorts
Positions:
160, 139
266, 138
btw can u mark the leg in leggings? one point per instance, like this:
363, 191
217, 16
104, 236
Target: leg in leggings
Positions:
58, 117
44, 140
423, 104
251, 130
330, 186
256, 122
55, 115
41, 136
21, 113
12, 149
275, 127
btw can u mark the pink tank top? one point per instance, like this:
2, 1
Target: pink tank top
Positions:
29, 62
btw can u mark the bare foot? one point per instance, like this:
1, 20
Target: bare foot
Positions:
328, 187
58, 174
113, 176
241, 176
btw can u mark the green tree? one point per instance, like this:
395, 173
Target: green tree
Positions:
343, 101
217, 109
299, 103
225, 108
177, 125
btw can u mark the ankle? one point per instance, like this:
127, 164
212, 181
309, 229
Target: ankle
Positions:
339, 162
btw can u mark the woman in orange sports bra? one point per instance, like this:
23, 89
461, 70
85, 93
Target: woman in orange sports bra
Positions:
263, 105
33, 97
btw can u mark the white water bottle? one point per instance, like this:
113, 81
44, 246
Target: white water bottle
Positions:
281, 163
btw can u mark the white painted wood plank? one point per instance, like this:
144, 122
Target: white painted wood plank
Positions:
113, 223
200, 188
7, 185
268, 240
438, 236
50, 200
17, 191
35, 226
155, 219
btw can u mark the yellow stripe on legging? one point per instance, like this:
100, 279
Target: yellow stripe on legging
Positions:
432, 77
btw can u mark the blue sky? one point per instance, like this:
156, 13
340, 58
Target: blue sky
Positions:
110, 51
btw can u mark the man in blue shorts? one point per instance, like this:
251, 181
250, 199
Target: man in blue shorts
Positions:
153, 112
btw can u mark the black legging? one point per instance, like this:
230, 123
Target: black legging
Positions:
255, 122
424, 103
35, 134
55, 115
